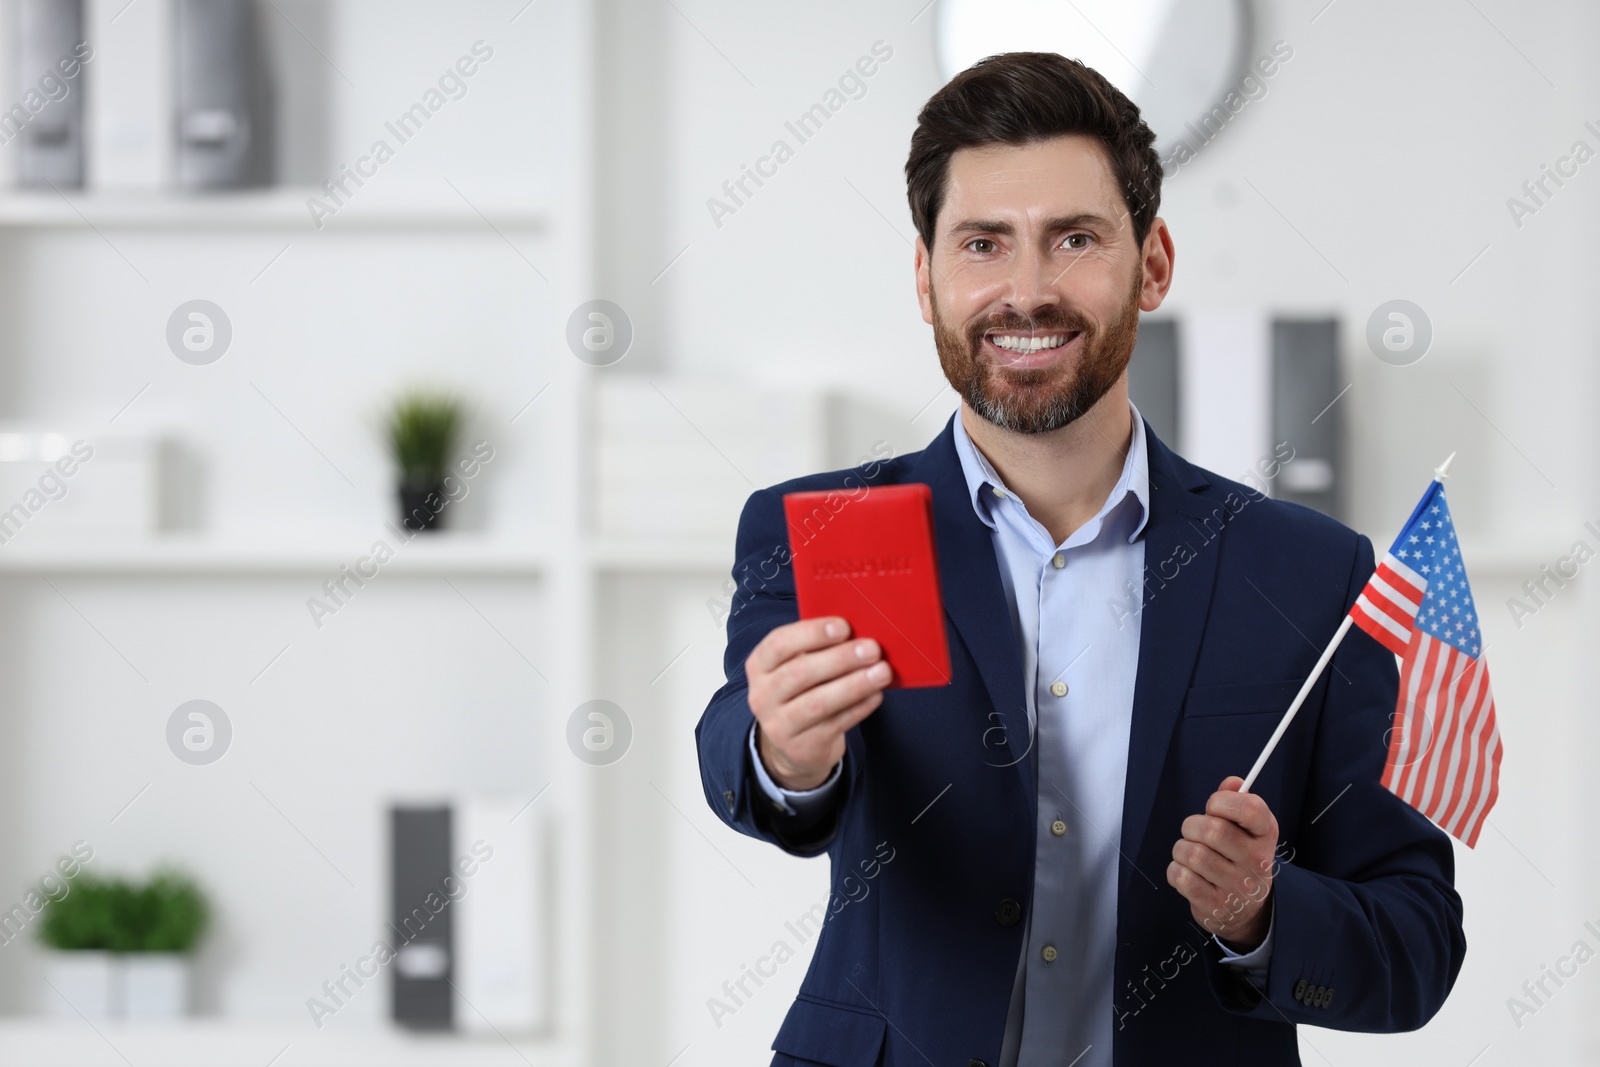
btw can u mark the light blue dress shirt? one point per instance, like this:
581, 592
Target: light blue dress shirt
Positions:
1080, 662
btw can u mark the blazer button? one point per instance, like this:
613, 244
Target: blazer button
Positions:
1327, 998
976, 1063
1300, 991
1008, 912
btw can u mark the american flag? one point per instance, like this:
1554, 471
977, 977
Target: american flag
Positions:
1444, 747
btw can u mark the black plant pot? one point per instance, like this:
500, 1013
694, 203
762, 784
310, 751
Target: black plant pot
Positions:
422, 505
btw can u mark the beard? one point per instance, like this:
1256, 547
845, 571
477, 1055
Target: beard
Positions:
1037, 400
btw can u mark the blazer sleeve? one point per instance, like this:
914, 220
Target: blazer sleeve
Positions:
1367, 928
762, 599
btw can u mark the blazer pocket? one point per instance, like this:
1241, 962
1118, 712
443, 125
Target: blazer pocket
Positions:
1251, 698
837, 1036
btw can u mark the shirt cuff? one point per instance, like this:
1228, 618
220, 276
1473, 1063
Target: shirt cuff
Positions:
790, 801
1253, 963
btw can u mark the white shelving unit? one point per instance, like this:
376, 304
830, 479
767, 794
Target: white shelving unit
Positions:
347, 279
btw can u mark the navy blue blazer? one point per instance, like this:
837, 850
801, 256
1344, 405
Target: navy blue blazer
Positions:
932, 838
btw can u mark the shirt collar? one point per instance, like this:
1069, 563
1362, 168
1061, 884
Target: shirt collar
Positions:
1135, 478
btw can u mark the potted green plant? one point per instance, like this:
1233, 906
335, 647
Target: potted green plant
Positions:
423, 427
77, 927
121, 948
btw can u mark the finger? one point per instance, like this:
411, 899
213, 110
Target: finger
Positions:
791, 639
1204, 863
814, 708
811, 669
815, 746
852, 715
1220, 835
1246, 810
1195, 889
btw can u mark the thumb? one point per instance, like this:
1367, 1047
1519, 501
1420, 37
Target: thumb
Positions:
1230, 784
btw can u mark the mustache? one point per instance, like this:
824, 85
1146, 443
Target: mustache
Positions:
1053, 319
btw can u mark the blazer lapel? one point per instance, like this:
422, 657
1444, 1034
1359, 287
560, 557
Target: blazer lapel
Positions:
1180, 569
974, 599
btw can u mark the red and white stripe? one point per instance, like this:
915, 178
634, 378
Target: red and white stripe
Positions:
1444, 750
1387, 607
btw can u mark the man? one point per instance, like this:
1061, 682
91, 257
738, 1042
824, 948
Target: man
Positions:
1063, 869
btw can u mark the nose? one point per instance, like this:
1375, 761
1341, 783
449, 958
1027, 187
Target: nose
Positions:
1032, 282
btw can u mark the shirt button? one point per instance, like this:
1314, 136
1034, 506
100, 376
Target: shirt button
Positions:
1049, 953
1058, 827
1058, 688
999, 492
1058, 560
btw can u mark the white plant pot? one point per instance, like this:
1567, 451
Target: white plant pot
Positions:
83, 982
155, 985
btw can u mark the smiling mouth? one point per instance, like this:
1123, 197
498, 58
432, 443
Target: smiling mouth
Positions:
1030, 347
1027, 343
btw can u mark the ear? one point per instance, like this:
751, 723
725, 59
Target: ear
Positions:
1158, 256
923, 269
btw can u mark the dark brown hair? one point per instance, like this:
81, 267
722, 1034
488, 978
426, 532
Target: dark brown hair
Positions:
1017, 98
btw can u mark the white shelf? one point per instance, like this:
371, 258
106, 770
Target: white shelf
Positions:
225, 1043
1504, 557
441, 553
428, 554
277, 209
669, 554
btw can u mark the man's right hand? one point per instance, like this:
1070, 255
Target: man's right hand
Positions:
809, 683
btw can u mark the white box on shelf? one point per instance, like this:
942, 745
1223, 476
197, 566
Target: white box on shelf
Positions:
155, 985
679, 458
129, 104
500, 955
59, 481
81, 984
1225, 388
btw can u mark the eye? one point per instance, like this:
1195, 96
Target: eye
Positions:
981, 245
1077, 237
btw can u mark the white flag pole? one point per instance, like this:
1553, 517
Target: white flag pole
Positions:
1440, 473
1299, 698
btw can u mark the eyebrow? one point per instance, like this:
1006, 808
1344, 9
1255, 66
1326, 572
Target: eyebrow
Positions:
1055, 225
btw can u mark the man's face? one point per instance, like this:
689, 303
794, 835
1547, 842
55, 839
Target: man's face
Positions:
1035, 283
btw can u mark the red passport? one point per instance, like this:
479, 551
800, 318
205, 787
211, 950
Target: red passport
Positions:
868, 557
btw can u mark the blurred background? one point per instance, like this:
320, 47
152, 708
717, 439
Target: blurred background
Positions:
380, 382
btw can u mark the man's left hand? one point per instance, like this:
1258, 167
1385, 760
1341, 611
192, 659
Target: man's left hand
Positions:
1223, 865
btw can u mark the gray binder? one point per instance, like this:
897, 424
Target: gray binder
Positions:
224, 113
1305, 380
421, 923
51, 152
1153, 378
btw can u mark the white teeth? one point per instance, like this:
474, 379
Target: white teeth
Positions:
1025, 345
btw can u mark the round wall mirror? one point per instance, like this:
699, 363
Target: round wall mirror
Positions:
1176, 59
